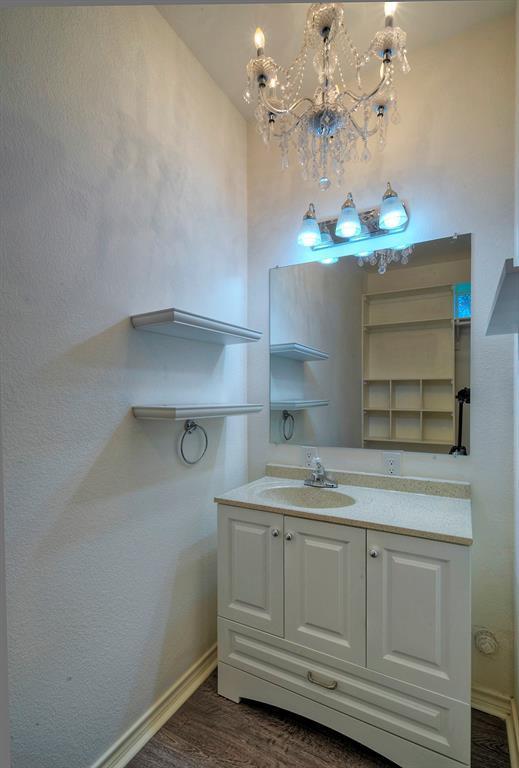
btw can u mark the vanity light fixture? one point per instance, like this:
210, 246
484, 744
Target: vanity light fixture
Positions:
309, 232
335, 121
392, 212
351, 225
326, 238
348, 223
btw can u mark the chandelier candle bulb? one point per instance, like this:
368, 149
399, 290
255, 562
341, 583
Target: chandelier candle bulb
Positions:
389, 12
259, 41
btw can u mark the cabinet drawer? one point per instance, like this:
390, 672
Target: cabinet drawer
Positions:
422, 717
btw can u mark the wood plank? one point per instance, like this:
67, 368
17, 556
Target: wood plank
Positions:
212, 732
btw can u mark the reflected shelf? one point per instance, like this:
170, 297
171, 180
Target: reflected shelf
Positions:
186, 325
297, 405
295, 351
181, 412
412, 441
419, 323
408, 410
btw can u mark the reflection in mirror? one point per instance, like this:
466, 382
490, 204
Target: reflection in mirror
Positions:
369, 355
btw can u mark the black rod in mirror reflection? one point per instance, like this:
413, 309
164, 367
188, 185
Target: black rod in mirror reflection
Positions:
361, 359
463, 398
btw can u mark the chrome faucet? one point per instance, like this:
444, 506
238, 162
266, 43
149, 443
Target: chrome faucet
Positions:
318, 477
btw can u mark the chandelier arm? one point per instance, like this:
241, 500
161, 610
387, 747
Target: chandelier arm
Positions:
289, 110
363, 134
292, 128
365, 96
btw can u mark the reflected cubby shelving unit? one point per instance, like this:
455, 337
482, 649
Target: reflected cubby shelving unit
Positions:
295, 351
186, 325
409, 363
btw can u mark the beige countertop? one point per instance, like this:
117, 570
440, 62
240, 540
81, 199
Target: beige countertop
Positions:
441, 518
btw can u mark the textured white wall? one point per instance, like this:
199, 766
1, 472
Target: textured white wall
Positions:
122, 190
453, 160
4, 714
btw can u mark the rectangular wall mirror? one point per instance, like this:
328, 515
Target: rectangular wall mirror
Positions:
361, 358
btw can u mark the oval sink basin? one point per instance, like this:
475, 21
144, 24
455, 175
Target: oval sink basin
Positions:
311, 498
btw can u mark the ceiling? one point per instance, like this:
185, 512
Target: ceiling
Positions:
220, 36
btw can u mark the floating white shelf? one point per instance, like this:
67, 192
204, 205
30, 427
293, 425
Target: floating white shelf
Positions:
175, 322
181, 412
297, 405
296, 351
504, 317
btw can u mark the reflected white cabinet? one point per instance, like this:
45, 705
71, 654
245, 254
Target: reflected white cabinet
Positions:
366, 632
250, 568
325, 588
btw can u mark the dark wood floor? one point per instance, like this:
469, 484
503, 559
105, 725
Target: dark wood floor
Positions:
211, 732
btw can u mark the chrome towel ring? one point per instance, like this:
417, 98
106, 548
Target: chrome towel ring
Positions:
287, 426
189, 428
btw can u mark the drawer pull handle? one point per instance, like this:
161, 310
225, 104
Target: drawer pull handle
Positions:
331, 686
275, 532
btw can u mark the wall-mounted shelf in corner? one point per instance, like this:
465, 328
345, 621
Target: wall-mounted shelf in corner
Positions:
296, 351
186, 325
297, 405
504, 317
181, 412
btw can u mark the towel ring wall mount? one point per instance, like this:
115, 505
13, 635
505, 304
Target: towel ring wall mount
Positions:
190, 427
287, 425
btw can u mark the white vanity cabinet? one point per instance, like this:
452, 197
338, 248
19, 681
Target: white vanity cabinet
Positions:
325, 587
364, 631
250, 568
418, 627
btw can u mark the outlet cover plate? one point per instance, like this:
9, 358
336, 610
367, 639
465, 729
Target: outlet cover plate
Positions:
309, 454
392, 462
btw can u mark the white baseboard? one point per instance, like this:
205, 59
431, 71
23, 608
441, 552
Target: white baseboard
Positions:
131, 742
504, 707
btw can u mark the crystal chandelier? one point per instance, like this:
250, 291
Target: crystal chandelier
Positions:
385, 257
336, 122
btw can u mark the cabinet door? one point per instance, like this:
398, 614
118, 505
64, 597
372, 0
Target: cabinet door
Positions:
419, 612
325, 588
250, 568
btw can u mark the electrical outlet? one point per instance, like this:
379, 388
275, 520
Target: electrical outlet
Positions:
392, 462
309, 454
